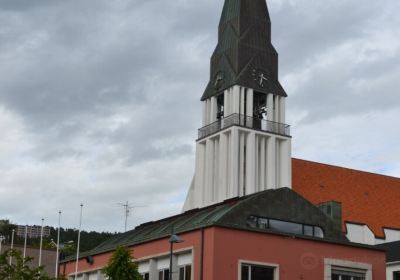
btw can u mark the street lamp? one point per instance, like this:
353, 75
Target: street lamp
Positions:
2, 238
173, 239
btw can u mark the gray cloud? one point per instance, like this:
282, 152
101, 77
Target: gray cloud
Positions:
99, 100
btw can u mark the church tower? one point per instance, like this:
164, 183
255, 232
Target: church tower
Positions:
244, 145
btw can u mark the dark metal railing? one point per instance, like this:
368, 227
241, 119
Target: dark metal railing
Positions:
244, 121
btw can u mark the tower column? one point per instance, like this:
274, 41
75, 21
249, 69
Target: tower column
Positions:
213, 109
209, 171
223, 168
271, 161
236, 100
227, 106
199, 175
234, 162
282, 109
262, 164
270, 106
250, 163
276, 108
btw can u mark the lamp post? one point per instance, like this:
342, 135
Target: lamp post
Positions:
173, 239
2, 238
58, 244
12, 244
41, 244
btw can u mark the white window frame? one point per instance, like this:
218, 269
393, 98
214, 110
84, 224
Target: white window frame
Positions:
330, 263
184, 266
271, 265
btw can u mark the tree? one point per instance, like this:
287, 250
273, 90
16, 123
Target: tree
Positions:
19, 269
121, 266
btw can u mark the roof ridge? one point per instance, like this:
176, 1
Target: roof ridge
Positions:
346, 168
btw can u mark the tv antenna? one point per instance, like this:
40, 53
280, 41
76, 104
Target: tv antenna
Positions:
128, 209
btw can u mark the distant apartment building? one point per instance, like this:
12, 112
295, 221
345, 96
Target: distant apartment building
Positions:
33, 231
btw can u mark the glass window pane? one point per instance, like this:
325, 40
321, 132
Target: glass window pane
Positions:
245, 272
182, 273
396, 275
188, 272
166, 274
308, 230
160, 275
318, 232
335, 277
287, 227
262, 273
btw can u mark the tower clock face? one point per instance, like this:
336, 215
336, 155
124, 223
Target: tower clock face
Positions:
260, 77
219, 79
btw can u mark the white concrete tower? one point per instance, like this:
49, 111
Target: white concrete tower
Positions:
244, 145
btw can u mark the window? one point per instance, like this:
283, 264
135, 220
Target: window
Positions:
257, 272
348, 274
396, 275
145, 276
285, 226
163, 274
185, 272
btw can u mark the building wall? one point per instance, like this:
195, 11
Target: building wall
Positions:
48, 258
363, 234
297, 258
158, 249
225, 248
392, 267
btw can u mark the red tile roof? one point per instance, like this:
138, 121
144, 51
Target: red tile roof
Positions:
367, 198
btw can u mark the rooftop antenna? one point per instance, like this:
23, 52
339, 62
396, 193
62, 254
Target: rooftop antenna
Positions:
128, 208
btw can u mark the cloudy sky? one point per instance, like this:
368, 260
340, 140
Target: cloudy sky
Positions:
99, 99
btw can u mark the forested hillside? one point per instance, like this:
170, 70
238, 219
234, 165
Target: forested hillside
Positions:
68, 238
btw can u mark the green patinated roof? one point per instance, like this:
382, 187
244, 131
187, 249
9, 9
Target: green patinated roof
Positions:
244, 44
282, 204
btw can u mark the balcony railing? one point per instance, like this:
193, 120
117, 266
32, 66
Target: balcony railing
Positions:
245, 121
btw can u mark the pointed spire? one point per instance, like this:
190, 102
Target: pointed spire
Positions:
244, 46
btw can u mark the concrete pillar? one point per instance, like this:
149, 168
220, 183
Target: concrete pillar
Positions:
199, 175
282, 109
262, 166
242, 100
216, 165
236, 100
204, 112
271, 161
249, 108
270, 107
209, 178
285, 164
213, 109
242, 144
234, 162
250, 163
276, 108
249, 102
223, 161
226, 103
153, 272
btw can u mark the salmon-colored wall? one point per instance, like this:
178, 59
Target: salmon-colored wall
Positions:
192, 240
223, 248
297, 258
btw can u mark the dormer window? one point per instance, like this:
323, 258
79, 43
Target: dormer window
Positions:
285, 226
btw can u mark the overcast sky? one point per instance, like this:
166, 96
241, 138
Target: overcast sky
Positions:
99, 99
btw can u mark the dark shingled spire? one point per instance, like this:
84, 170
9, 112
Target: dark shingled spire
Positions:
244, 48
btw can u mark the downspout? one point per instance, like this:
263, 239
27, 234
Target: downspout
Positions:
202, 254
